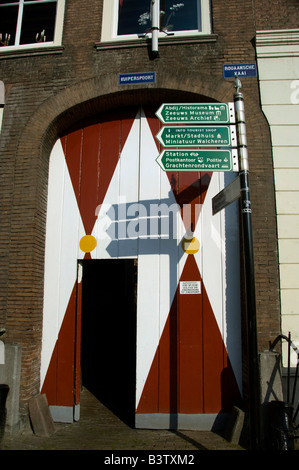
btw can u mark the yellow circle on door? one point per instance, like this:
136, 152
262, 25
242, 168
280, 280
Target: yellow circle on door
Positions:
87, 243
190, 246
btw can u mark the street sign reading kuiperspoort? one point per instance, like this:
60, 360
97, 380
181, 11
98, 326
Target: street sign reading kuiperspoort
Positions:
199, 160
197, 136
192, 113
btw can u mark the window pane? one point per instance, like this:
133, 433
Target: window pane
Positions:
8, 24
179, 16
133, 16
38, 18
3, 2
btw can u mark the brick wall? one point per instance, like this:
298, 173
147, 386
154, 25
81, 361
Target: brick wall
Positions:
276, 14
45, 94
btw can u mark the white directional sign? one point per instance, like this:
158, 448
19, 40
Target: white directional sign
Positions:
193, 113
198, 160
197, 136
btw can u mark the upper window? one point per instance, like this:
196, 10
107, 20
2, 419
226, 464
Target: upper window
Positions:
30, 23
128, 19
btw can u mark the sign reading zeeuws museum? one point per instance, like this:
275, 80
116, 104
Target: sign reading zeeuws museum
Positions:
192, 113
198, 160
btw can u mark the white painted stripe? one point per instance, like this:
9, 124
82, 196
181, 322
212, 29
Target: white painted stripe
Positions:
221, 269
63, 231
212, 249
157, 261
109, 230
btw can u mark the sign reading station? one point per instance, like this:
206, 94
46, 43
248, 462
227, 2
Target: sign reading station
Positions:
198, 160
192, 113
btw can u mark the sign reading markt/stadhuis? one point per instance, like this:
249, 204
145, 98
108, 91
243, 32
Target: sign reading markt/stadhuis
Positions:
197, 136
192, 113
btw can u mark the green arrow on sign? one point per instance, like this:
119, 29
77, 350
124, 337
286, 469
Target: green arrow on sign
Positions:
198, 160
195, 136
193, 113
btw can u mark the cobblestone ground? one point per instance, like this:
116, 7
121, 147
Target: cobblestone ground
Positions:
100, 429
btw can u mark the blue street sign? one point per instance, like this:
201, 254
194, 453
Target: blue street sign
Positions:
242, 70
135, 78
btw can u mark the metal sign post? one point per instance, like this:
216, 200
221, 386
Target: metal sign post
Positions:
253, 362
175, 115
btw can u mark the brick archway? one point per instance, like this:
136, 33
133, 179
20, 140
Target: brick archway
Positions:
50, 120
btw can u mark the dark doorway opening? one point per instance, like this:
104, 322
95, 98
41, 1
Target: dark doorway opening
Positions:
108, 337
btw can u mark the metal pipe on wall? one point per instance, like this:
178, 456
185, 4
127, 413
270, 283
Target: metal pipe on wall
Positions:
253, 362
155, 13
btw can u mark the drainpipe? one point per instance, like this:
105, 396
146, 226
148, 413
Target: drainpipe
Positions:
2, 101
155, 27
253, 357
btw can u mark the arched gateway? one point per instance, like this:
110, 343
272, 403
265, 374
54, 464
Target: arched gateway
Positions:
132, 309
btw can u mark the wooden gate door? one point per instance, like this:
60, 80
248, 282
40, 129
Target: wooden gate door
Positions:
109, 199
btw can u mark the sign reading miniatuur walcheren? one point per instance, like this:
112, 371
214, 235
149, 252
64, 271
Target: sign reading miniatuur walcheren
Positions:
197, 136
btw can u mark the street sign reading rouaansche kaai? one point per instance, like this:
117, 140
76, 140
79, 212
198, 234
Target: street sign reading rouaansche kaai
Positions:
192, 113
197, 136
199, 160
241, 70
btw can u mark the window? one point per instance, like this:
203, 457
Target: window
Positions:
130, 19
30, 23
134, 16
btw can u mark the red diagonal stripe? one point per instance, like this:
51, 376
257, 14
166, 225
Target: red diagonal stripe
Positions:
191, 371
92, 154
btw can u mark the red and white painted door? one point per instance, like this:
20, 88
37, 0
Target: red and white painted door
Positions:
108, 199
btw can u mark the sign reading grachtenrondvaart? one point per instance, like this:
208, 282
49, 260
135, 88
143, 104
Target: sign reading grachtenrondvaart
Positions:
198, 160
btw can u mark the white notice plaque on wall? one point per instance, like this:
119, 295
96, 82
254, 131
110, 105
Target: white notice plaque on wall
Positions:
190, 287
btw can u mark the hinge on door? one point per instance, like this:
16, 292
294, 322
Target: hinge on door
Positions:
80, 272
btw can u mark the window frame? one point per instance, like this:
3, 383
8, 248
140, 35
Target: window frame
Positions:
58, 30
110, 22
